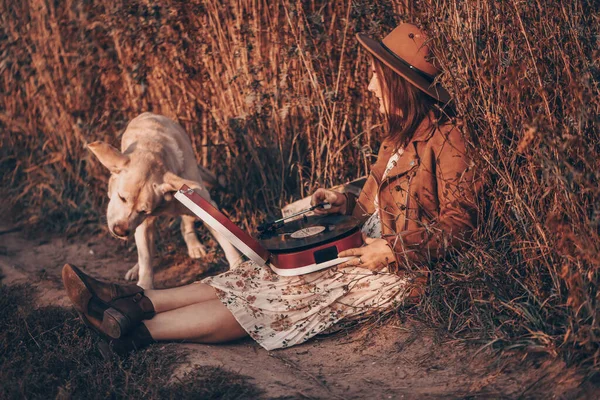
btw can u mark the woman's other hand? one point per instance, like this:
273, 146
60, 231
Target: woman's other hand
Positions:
337, 201
374, 255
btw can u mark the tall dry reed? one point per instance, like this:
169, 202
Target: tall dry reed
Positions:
274, 97
272, 94
524, 76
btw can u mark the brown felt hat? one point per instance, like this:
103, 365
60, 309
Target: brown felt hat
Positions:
405, 51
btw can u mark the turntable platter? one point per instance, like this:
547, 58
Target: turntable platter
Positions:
308, 232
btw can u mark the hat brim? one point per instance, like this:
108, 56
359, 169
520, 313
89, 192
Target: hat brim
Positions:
435, 90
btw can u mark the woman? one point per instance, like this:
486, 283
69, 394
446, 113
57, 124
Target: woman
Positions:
417, 203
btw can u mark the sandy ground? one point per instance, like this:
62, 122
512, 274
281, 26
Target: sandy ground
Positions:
405, 361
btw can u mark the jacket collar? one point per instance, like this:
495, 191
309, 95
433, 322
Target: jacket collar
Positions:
409, 158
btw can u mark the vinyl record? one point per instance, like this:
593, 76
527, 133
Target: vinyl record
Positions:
309, 232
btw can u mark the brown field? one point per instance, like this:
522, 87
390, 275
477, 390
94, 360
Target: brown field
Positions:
273, 95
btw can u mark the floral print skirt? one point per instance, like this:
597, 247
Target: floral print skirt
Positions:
279, 311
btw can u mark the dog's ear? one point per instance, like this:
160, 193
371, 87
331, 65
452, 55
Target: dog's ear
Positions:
110, 157
172, 183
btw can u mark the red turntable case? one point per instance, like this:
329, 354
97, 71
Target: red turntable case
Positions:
287, 261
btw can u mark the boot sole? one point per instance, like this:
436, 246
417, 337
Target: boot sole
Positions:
115, 324
76, 289
111, 325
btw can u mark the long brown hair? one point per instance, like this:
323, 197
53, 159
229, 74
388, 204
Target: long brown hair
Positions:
405, 105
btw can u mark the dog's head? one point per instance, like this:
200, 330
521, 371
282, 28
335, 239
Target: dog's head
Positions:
139, 186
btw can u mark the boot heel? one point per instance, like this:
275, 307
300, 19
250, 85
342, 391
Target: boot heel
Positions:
115, 324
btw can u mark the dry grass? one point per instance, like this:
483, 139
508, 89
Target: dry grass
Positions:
48, 353
270, 93
525, 78
273, 95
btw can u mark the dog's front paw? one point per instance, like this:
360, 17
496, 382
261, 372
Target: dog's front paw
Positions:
133, 273
196, 250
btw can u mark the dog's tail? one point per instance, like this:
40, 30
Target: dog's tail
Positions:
210, 179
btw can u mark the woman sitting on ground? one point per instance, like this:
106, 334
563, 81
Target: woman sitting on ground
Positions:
417, 203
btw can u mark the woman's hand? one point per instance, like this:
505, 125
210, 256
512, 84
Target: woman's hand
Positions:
374, 255
337, 201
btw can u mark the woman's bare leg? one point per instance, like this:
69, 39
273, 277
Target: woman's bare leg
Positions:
205, 322
170, 299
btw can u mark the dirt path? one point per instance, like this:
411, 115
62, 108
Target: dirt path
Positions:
395, 362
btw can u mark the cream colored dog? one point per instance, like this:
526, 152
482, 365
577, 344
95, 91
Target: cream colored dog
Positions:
155, 160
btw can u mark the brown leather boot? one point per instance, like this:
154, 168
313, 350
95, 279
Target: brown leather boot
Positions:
137, 339
109, 308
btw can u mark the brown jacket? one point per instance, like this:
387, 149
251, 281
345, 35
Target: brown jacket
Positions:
427, 201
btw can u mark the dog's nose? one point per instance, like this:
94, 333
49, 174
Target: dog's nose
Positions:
120, 230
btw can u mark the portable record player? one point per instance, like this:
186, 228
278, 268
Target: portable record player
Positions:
295, 248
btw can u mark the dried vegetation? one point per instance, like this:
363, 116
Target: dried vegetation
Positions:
525, 79
48, 353
274, 98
